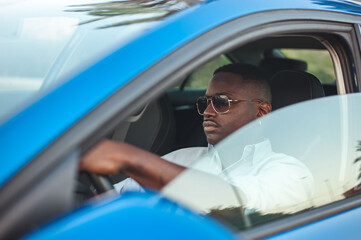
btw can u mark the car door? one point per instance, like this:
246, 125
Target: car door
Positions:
340, 39
338, 178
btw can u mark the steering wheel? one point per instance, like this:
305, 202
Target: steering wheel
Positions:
101, 183
89, 185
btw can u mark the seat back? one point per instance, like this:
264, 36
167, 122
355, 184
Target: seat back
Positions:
153, 129
273, 65
289, 87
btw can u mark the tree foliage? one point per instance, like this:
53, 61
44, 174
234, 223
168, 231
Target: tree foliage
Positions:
358, 148
138, 11
233, 218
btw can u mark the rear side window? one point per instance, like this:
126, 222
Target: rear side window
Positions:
319, 62
200, 78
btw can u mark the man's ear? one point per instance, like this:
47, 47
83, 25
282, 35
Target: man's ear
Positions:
264, 108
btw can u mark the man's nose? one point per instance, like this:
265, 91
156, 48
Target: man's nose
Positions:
209, 110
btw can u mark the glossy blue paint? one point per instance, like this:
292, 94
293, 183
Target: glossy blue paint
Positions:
133, 216
345, 225
28, 133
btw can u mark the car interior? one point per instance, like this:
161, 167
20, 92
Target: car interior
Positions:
171, 122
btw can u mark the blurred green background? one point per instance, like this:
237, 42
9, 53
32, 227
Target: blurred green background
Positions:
319, 64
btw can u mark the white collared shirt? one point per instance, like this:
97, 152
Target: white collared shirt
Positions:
267, 180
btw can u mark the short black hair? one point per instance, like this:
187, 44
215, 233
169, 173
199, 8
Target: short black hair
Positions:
250, 74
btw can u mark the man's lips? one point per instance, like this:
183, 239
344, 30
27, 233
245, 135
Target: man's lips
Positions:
209, 125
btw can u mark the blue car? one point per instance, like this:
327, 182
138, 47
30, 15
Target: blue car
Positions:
73, 73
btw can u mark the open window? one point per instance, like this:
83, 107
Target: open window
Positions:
298, 52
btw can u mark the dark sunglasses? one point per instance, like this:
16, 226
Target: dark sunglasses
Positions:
220, 103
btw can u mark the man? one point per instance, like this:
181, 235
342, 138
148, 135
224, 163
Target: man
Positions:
237, 94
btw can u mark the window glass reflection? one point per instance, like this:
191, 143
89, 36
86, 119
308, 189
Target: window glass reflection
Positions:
297, 158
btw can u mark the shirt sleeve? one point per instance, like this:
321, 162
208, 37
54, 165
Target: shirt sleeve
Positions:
183, 157
127, 185
280, 186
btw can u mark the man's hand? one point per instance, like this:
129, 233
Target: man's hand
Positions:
109, 157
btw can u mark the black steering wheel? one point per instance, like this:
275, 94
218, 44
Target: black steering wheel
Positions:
90, 184
101, 183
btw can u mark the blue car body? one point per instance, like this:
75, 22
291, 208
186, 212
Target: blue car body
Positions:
121, 218
39, 125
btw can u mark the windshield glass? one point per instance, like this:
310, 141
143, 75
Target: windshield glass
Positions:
297, 158
44, 42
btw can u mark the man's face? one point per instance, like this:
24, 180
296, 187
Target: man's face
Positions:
218, 126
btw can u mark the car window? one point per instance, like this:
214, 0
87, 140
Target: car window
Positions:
200, 78
297, 158
319, 62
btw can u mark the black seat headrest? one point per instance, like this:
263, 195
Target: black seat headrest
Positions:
274, 65
290, 87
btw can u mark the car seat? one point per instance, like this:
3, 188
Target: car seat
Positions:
290, 86
273, 65
153, 129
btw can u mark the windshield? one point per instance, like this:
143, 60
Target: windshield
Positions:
296, 158
44, 42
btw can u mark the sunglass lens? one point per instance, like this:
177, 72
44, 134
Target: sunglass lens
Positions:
220, 103
202, 104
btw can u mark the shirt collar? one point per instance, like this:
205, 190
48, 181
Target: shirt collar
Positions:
253, 153
210, 162
210, 148
261, 150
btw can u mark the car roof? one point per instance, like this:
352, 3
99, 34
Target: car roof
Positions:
26, 134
